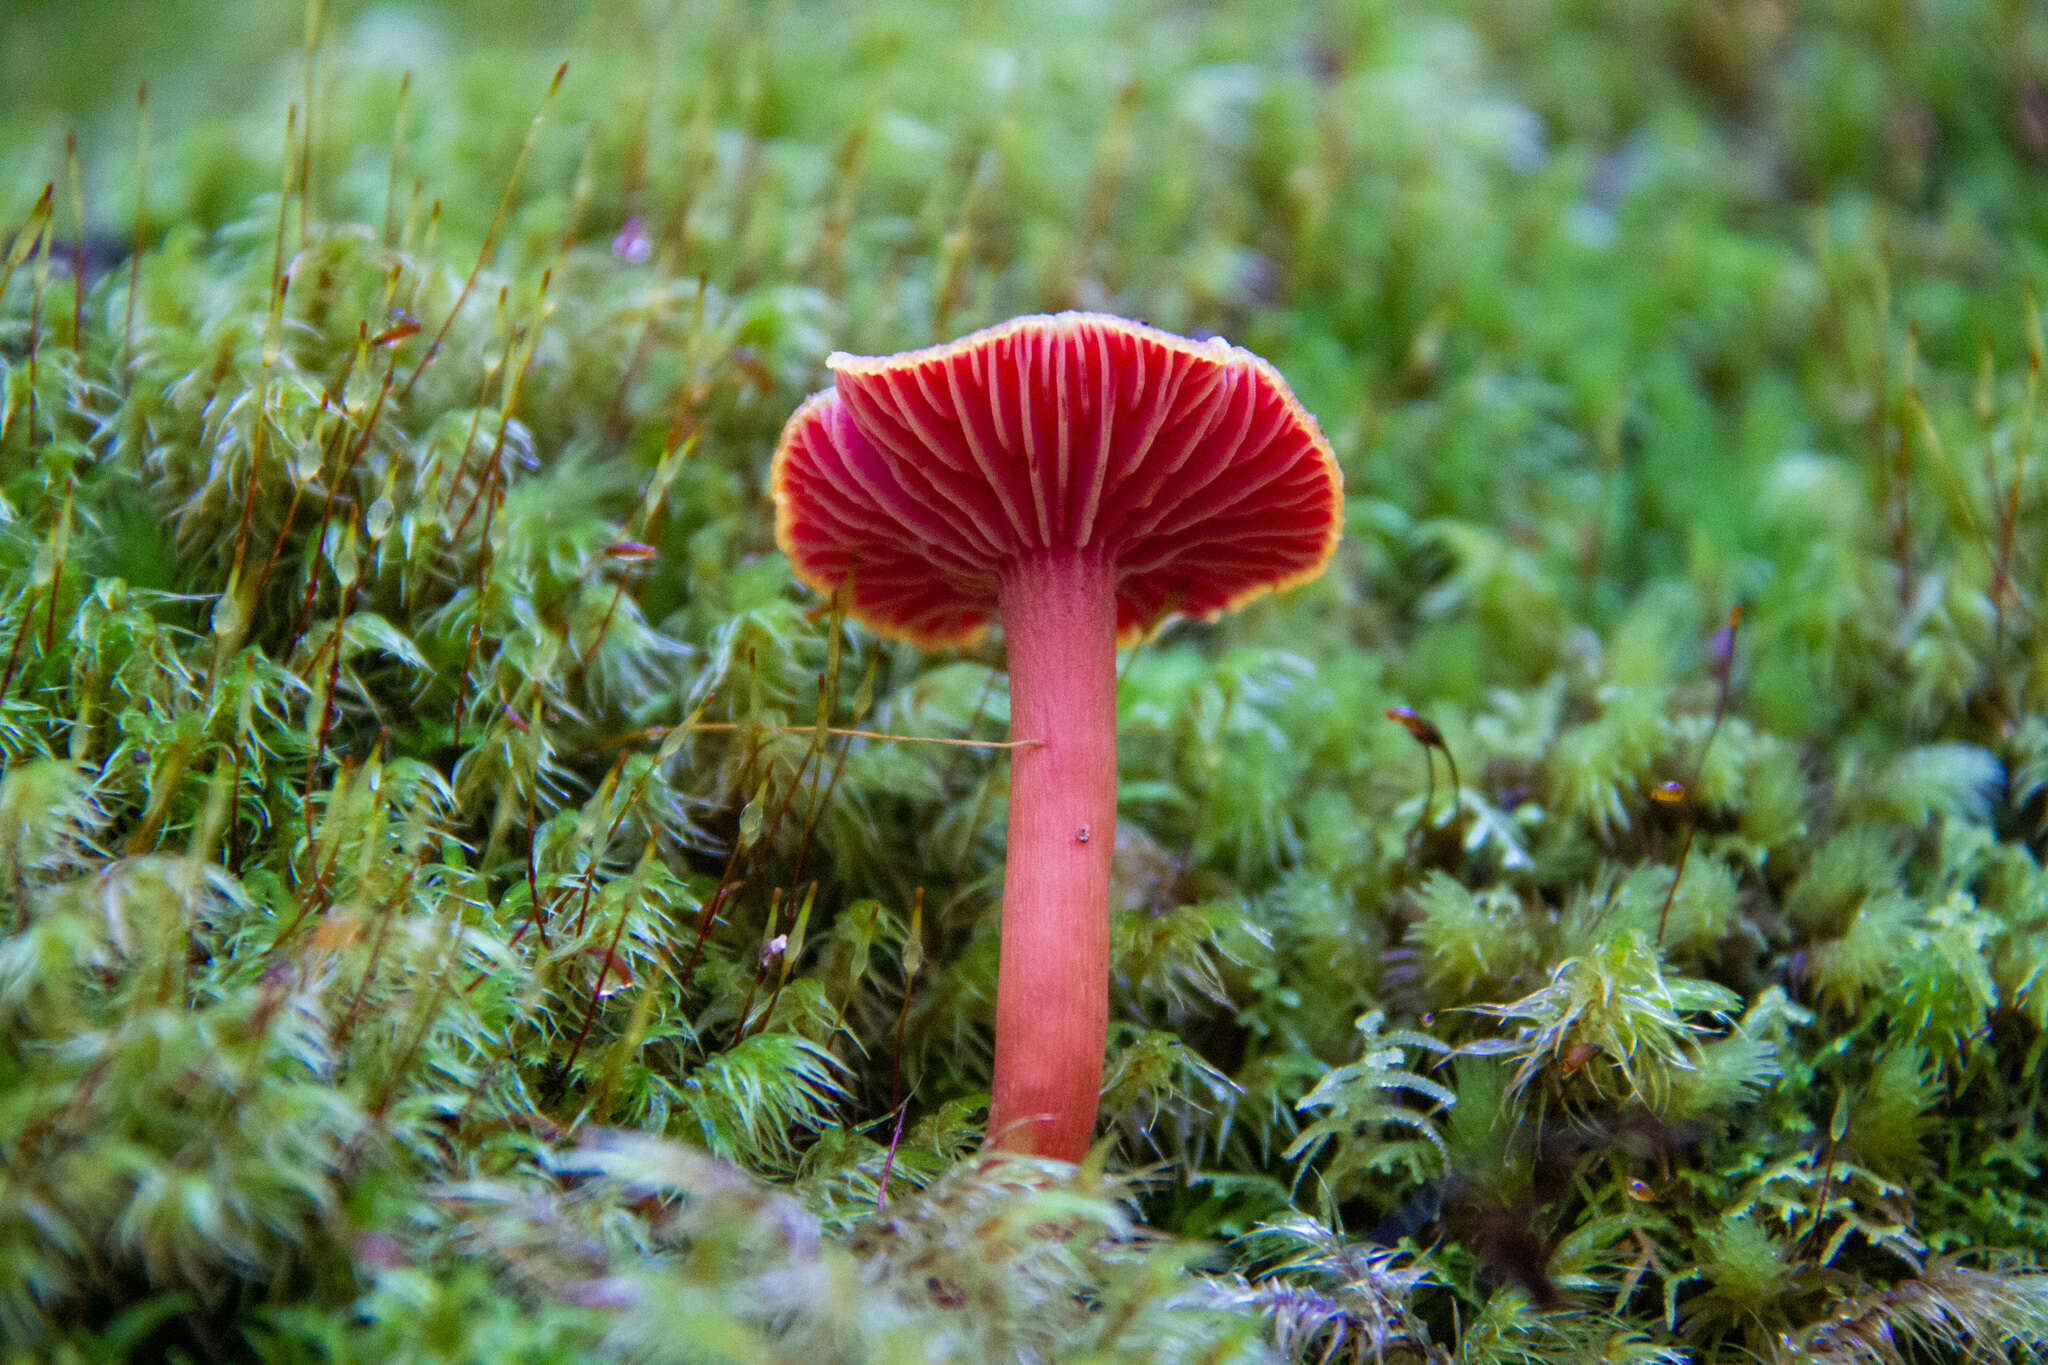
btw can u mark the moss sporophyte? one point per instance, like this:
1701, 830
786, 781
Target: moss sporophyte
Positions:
1078, 476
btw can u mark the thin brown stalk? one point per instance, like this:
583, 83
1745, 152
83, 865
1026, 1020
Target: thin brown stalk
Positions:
284, 200
135, 248
803, 846
232, 857
474, 636
28, 615
30, 237
533, 877
337, 492
604, 623
388, 1089
476, 422
390, 233
333, 650
77, 242
57, 565
1431, 740
514, 380
739, 1030
786, 957
316, 895
60, 537
604, 967
847, 164
387, 912
427, 240
316, 11
889, 1158
913, 959
626, 806
655, 732
173, 772
2009, 506
490, 242
40, 278
291, 508
951, 770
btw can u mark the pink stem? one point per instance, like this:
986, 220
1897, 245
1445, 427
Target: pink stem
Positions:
1052, 988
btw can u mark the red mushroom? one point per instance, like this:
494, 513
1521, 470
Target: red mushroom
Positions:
1082, 477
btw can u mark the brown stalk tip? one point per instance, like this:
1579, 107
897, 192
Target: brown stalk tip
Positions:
1424, 731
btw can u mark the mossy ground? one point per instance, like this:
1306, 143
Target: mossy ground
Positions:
438, 922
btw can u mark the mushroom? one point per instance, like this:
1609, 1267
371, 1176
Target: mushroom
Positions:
1081, 477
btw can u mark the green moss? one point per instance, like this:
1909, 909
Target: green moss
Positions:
439, 914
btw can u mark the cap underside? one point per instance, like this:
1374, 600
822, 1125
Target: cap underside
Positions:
925, 475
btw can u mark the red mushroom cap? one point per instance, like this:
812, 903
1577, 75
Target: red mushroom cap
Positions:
924, 474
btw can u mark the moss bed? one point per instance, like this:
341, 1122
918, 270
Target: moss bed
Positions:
440, 919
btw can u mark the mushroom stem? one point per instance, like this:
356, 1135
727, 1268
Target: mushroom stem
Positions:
1052, 991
